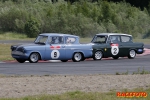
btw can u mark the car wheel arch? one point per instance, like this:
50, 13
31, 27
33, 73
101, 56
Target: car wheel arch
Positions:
129, 56
98, 55
82, 56
78, 52
133, 49
99, 50
40, 57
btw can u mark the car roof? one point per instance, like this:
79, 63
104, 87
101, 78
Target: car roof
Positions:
113, 34
57, 34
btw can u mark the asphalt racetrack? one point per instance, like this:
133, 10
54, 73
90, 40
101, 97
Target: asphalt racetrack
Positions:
104, 66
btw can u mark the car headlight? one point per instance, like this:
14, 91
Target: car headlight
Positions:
21, 49
140, 50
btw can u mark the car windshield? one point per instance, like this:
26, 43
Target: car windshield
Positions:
99, 39
41, 39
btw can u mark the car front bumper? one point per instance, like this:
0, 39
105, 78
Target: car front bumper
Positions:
140, 51
19, 55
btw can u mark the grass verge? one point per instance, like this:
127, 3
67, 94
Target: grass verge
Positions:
5, 52
20, 36
139, 71
78, 95
13, 36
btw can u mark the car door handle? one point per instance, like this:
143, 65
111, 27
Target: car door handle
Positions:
63, 46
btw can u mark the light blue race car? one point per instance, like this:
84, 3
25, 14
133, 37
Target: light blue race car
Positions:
52, 46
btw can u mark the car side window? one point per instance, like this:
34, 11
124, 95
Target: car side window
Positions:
100, 39
56, 40
70, 40
41, 39
126, 39
114, 38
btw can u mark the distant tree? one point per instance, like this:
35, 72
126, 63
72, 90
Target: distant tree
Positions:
32, 28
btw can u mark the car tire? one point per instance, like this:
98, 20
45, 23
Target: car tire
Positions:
64, 60
82, 59
98, 55
131, 54
34, 57
77, 57
115, 57
20, 60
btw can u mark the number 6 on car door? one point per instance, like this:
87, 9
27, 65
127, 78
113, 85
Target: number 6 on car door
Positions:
55, 54
114, 49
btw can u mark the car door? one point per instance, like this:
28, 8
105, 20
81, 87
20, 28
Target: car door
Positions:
70, 46
55, 48
125, 44
113, 46
100, 43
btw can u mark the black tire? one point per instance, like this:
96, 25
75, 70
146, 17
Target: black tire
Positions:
82, 59
131, 54
34, 57
20, 60
98, 55
115, 57
64, 60
77, 57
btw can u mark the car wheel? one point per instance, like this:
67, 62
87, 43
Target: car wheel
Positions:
115, 57
98, 55
64, 60
20, 60
77, 57
131, 54
34, 57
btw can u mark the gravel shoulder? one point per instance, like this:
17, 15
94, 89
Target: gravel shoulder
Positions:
55, 84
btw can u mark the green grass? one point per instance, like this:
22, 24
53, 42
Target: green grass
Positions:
20, 36
78, 95
85, 40
5, 52
14, 36
145, 41
139, 71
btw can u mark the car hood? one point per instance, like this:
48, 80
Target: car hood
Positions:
13, 47
27, 45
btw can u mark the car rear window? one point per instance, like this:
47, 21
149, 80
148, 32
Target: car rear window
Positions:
126, 39
70, 40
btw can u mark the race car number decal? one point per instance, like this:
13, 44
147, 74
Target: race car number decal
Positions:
55, 54
114, 49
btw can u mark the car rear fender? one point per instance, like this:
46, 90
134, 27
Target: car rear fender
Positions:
83, 55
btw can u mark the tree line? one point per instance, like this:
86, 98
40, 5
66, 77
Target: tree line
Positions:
137, 3
83, 18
